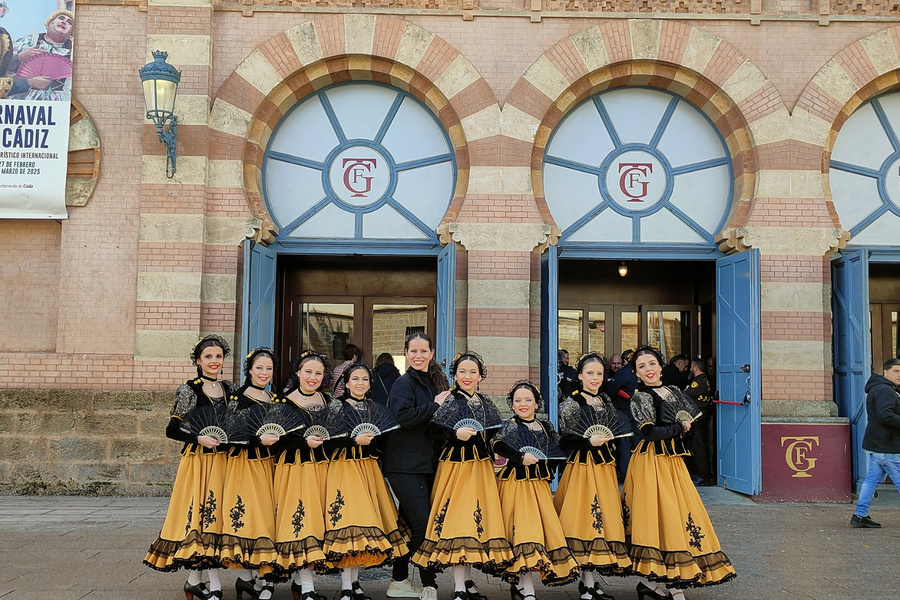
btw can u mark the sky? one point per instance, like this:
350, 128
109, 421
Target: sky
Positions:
27, 16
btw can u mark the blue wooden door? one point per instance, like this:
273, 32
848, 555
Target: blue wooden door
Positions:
446, 306
549, 329
739, 372
852, 345
258, 321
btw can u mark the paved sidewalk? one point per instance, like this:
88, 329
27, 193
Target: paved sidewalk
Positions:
71, 548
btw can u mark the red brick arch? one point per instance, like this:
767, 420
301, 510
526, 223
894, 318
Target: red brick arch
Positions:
337, 62
666, 68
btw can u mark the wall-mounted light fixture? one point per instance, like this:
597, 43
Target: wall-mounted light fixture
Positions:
160, 81
623, 269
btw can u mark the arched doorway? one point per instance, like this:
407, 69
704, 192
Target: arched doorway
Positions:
641, 177
357, 176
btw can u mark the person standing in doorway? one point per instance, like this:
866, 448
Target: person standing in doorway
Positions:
352, 355
384, 375
702, 438
882, 438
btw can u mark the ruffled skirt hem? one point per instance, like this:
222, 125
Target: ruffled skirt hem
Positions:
681, 569
491, 557
602, 556
299, 554
556, 567
362, 547
197, 551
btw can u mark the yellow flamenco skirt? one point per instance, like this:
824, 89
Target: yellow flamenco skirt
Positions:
191, 533
672, 538
300, 515
590, 512
533, 529
361, 521
249, 530
465, 527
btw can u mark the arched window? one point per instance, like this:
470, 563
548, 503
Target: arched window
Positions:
359, 162
636, 166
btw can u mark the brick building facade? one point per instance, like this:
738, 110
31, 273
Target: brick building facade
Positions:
98, 312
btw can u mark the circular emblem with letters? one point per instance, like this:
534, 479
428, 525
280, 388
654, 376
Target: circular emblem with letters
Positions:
635, 180
359, 175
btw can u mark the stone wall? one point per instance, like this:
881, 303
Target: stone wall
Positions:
86, 442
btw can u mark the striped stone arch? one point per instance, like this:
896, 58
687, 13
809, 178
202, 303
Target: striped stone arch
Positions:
668, 55
305, 58
866, 68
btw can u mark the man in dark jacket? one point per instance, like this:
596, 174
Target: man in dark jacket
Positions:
882, 438
702, 434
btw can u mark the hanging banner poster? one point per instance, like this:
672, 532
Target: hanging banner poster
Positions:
36, 43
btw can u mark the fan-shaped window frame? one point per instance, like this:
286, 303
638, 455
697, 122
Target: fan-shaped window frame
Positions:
430, 239
708, 242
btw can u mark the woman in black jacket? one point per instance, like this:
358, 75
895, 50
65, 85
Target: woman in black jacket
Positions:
409, 456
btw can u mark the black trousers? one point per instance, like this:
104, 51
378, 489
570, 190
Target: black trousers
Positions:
413, 490
702, 445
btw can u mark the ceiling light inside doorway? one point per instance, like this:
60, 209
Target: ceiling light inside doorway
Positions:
623, 269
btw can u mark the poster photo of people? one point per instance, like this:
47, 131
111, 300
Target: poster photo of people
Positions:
36, 50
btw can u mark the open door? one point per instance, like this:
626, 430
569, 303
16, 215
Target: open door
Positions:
739, 372
258, 323
549, 330
852, 362
446, 306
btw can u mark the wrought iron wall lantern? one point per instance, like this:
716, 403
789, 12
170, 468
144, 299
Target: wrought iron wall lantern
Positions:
160, 81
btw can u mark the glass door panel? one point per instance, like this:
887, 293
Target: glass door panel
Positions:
326, 327
571, 325
669, 329
391, 325
629, 323
597, 332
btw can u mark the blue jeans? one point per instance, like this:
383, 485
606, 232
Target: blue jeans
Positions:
879, 465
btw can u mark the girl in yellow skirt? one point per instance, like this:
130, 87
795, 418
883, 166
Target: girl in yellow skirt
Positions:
532, 525
465, 527
587, 499
672, 539
361, 528
191, 533
249, 532
301, 467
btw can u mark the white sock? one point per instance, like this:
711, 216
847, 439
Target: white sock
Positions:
346, 578
587, 579
245, 574
305, 577
526, 584
459, 579
214, 583
354, 574
194, 578
677, 594
265, 594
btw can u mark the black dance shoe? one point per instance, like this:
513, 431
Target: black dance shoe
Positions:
472, 591
515, 593
358, 593
242, 587
198, 591
599, 594
346, 595
215, 594
458, 595
645, 590
298, 593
